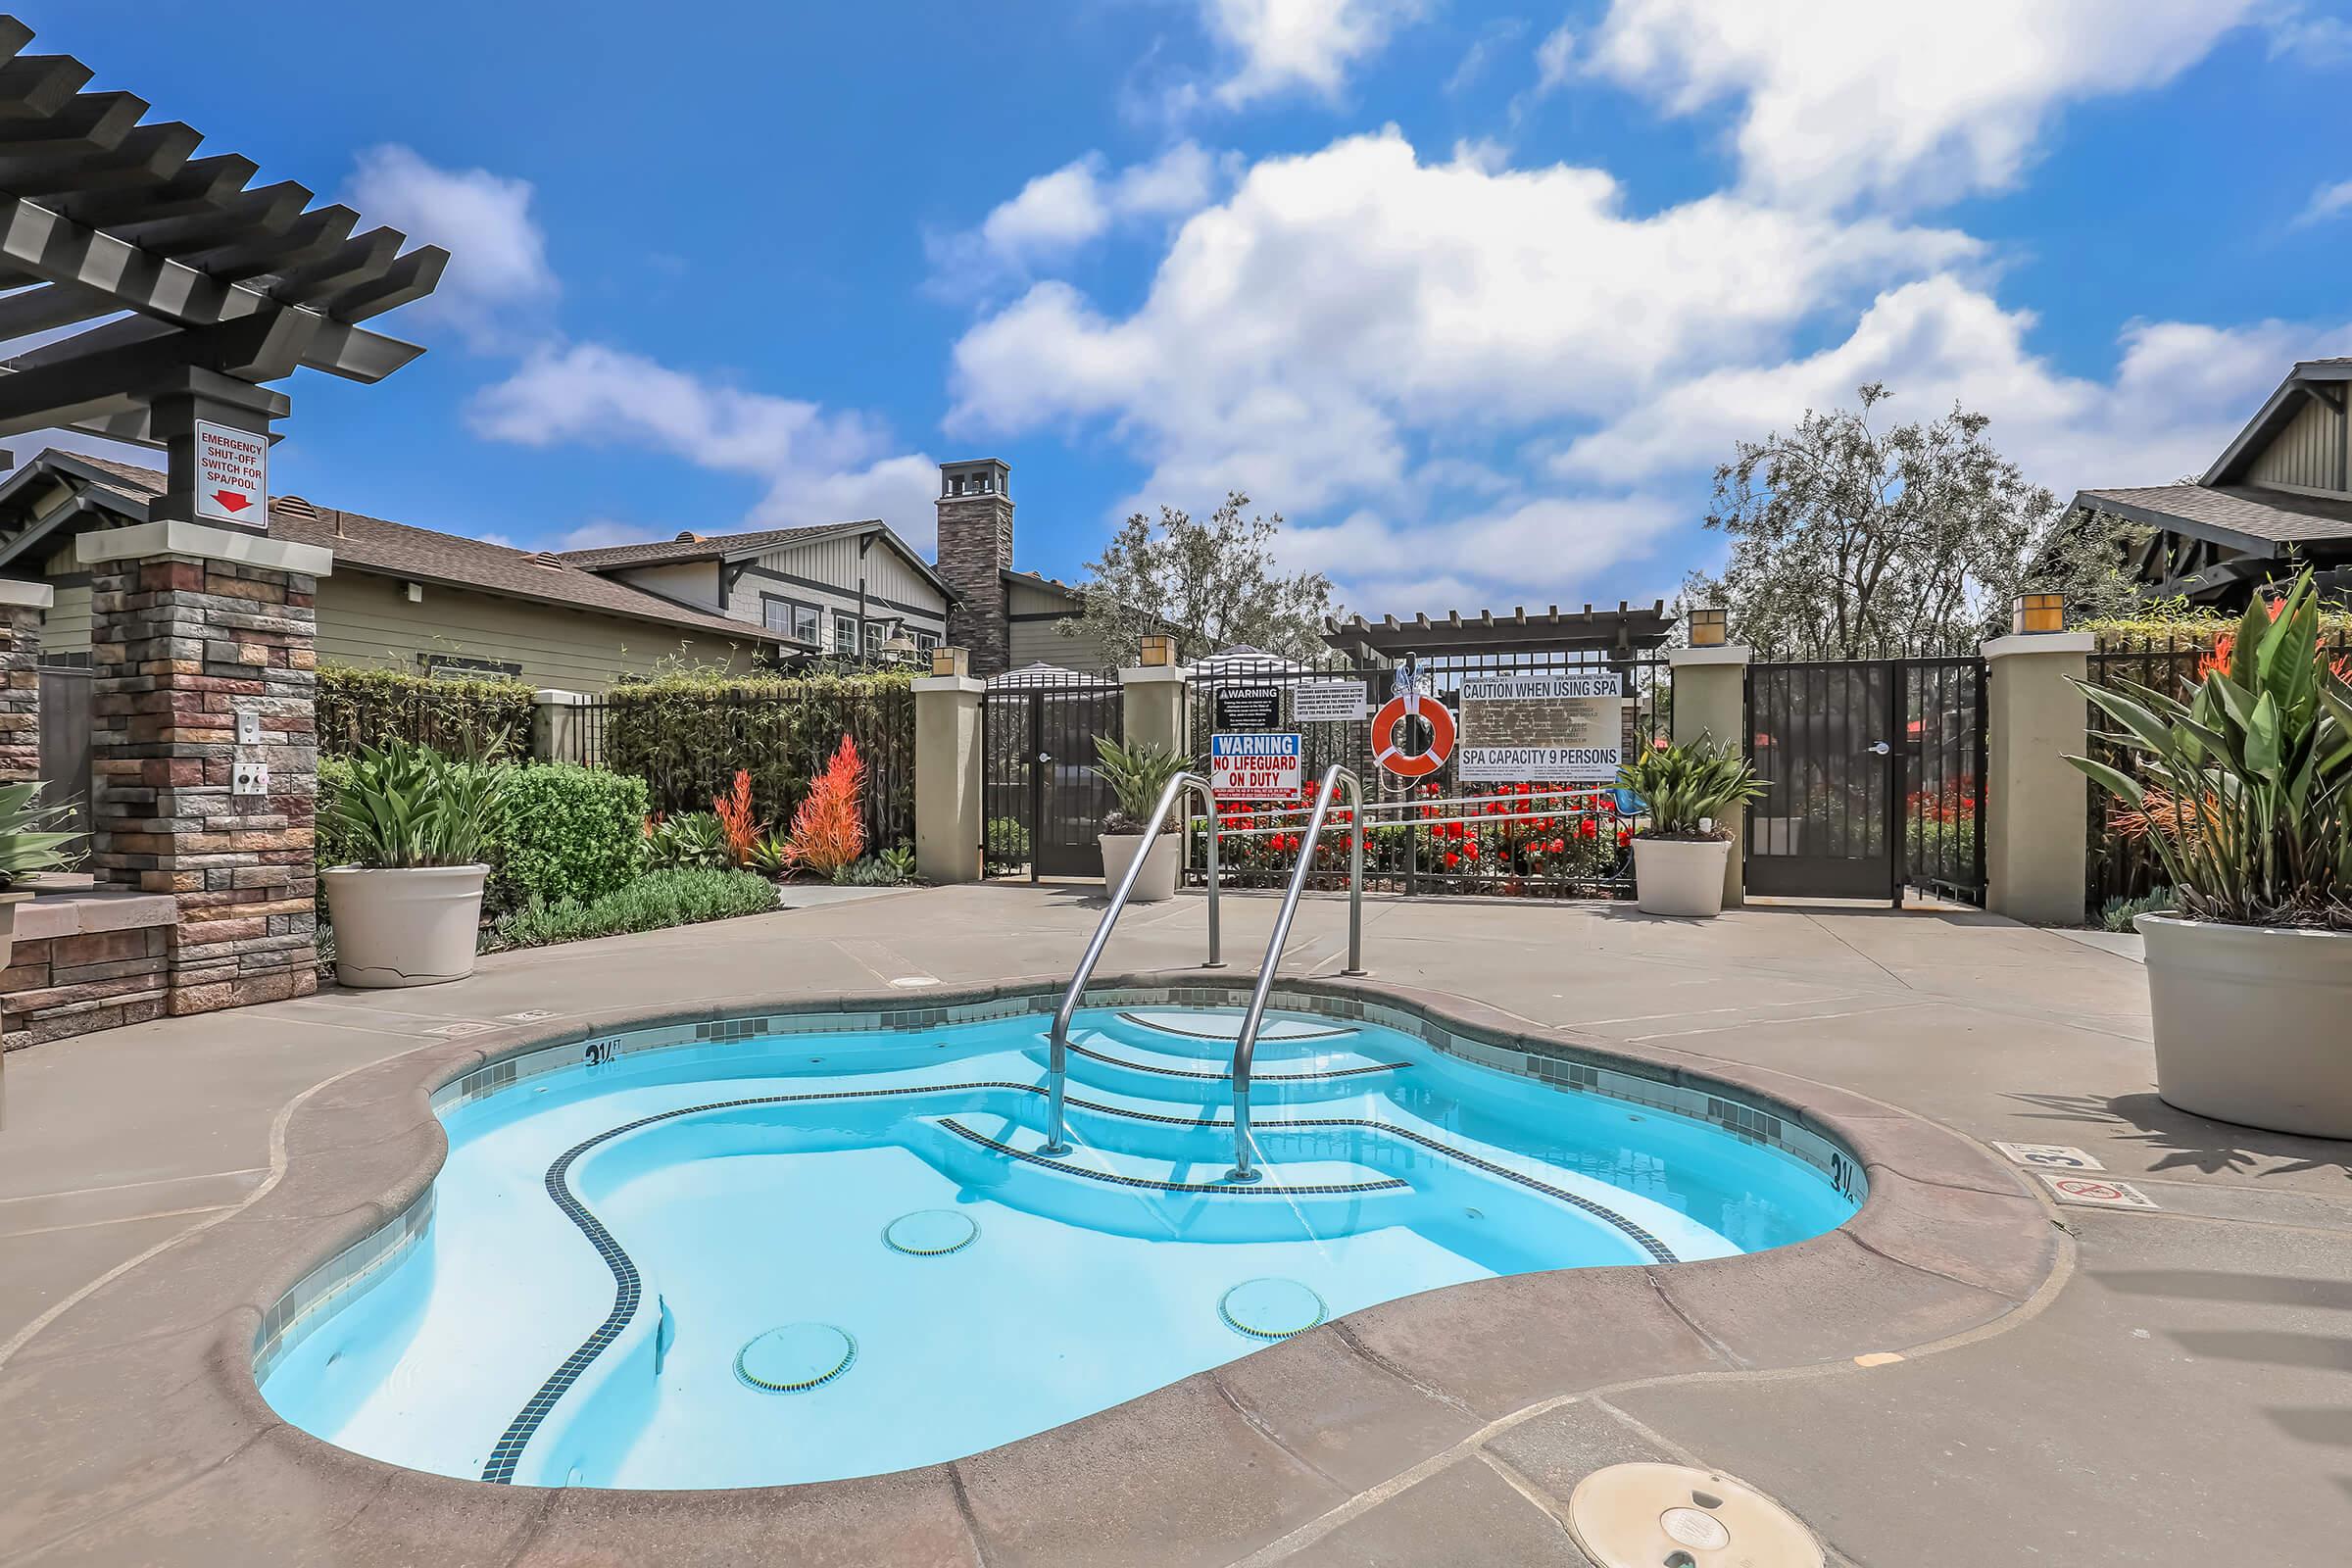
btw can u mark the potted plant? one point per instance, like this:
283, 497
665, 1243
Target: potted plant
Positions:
1136, 775
27, 846
2246, 793
406, 908
1681, 848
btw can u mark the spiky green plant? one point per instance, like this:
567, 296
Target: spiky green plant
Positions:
27, 843
405, 806
1136, 775
1683, 785
2251, 777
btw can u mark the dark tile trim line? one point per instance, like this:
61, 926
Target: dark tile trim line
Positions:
1078, 1049
1225, 1039
628, 1286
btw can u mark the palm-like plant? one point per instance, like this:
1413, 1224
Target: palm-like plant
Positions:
27, 843
1684, 785
409, 805
1137, 774
2247, 785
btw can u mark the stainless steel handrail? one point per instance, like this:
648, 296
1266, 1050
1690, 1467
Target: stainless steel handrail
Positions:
1244, 1045
1057, 1058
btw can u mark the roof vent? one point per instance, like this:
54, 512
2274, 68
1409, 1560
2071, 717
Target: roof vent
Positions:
295, 507
688, 537
547, 559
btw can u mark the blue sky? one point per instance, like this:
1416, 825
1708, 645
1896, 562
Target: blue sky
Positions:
1477, 295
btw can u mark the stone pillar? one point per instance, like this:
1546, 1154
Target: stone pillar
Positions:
947, 777
192, 629
1156, 707
21, 607
1710, 700
2035, 819
556, 728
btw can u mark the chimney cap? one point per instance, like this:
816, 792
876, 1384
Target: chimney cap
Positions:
975, 476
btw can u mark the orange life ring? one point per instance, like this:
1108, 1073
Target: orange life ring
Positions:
1384, 731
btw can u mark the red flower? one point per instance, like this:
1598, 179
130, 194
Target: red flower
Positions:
1588, 828
1556, 845
1452, 859
1471, 849
1624, 836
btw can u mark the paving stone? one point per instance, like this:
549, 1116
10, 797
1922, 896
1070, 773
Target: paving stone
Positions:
1465, 1516
1355, 1422
1558, 1449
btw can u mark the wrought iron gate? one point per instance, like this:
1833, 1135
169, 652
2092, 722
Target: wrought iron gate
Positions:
1042, 801
1874, 778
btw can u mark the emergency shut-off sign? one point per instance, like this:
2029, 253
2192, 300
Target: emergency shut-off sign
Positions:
1262, 765
1541, 729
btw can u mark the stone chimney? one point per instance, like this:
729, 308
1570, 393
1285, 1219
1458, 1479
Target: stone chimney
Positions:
975, 547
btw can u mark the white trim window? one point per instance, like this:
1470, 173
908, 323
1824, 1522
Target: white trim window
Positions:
845, 633
800, 621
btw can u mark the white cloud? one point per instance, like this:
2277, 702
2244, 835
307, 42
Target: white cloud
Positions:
1532, 551
1912, 104
1281, 46
1056, 215
2295, 34
2328, 201
604, 533
1555, 56
499, 282
818, 465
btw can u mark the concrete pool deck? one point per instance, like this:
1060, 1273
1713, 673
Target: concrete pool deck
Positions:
2177, 1387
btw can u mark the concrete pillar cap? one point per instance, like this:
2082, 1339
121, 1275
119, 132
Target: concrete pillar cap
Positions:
969, 684
2039, 642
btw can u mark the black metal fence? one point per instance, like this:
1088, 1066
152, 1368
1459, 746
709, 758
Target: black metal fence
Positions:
1041, 801
1514, 840
1944, 777
2121, 865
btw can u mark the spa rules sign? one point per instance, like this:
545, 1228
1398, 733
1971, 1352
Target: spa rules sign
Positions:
1262, 765
1541, 729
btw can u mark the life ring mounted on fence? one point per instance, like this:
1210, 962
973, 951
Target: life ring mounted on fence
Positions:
1412, 764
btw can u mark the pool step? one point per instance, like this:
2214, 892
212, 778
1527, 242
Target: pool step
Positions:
1284, 1072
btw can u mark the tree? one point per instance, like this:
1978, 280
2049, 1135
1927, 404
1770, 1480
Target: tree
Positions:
1850, 543
1213, 584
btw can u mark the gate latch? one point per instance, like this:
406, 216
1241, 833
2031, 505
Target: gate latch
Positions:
1880, 749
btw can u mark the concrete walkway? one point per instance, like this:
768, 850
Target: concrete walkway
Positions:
2183, 1394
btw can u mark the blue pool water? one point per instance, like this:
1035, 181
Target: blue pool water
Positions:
811, 1256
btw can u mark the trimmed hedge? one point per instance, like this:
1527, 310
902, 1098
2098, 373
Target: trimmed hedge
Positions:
654, 901
566, 832
463, 717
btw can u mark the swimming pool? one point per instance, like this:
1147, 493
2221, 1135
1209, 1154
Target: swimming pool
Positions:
731, 1256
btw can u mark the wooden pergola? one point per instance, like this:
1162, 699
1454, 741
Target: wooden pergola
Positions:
1620, 633
148, 287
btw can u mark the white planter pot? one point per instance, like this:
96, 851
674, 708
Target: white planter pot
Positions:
1680, 876
1159, 880
2250, 1023
412, 927
8, 923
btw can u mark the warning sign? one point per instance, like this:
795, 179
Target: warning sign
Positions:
233, 476
1267, 765
1541, 729
1329, 701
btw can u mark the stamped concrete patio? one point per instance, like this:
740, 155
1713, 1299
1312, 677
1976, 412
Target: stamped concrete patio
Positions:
2175, 1390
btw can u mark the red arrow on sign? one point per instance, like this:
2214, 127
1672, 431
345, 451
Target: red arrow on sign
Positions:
231, 500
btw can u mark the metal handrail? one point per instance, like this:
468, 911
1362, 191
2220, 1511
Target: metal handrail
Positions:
1244, 1045
1057, 1058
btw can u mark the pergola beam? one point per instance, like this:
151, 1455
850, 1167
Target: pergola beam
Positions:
200, 185
149, 154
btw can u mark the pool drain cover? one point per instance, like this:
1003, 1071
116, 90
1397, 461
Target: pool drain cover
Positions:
930, 1233
1271, 1308
796, 1357
1642, 1515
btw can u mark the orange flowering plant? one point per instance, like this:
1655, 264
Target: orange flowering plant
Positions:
828, 831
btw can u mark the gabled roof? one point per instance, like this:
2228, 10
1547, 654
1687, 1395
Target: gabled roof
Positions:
1071, 591
2330, 379
394, 549
727, 546
2245, 517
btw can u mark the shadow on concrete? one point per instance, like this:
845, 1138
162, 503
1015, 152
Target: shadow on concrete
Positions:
2194, 1142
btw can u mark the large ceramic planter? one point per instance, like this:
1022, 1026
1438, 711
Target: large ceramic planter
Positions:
412, 927
8, 923
2251, 1023
1680, 876
1159, 880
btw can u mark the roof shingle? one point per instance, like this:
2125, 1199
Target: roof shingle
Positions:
2257, 511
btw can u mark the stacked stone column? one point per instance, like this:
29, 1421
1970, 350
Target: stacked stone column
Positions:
22, 608
192, 626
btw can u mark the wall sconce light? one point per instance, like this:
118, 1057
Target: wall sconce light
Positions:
1159, 651
2038, 613
951, 661
1710, 628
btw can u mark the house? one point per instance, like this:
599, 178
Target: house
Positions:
401, 596
2278, 498
1008, 619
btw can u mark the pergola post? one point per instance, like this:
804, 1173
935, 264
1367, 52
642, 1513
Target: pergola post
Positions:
204, 752
947, 772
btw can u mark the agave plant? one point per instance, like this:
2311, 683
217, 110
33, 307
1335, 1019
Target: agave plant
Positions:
1136, 775
408, 806
2246, 787
27, 844
1687, 785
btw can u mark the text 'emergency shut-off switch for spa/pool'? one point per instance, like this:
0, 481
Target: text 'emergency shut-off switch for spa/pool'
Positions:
1674, 1516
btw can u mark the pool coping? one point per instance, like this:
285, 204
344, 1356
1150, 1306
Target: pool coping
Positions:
140, 1404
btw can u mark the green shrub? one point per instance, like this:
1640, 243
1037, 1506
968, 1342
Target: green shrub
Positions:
404, 805
884, 868
567, 832
2115, 914
654, 901
1006, 843
691, 841
464, 718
